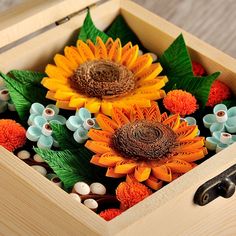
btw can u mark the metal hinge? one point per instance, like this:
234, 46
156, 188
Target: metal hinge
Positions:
222, 185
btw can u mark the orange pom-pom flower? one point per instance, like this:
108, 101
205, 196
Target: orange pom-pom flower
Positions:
110, 214
131, 193
12, 135
218, 93
180, 102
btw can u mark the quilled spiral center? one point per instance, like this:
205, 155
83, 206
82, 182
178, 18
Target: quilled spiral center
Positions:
103, 78
144, 140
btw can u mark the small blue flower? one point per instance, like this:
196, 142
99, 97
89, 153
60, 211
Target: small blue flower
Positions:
222, 119
39, 121
80, 124
219, 141
5, 100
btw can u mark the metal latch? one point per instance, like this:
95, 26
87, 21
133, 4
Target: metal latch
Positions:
222, 185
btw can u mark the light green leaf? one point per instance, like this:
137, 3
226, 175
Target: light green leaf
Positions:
89, 31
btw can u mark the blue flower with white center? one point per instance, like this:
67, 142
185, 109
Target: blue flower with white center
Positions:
39, 121
80, 124
219, 141
223, 119
5, 100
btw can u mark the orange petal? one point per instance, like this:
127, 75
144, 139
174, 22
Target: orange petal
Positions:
84, 51
110, 159
152, 95
190, 144
72, 54
51, 95
106, 123
129, 58
109, 44
99, 135
119, 117
126, 48
176, 175
141, 63
153, 113
164, 116
111, 173
98, 147
162, 172
173, 121
63, 105
142, 173
91, 45
154, 183
136, 114
125, 167
149, 73
100, 50
95, 160
130, 178
179, 166
187, 132
115, 51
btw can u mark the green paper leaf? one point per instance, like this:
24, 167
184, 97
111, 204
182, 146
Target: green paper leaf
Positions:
177, 66
24, 91
70, 166
89, 31
230, 103
176, 62
120, 29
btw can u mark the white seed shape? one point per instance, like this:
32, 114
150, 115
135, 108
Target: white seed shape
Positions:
81, 188
40, 169
75, 196
23, 154
91, 204
98, 188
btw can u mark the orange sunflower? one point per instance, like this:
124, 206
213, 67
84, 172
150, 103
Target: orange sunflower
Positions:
102, 76
144, 144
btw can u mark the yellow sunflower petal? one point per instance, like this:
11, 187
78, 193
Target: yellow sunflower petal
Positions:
125, 167
111, 173
98, 147
126, 48
77, 102
154, 183
63, 105
64, 63
115, 51
100, 49
55, 84
119, 117
149, 73
64, 95
179, 166
152, 95
106, 107
51, 95
99, 135
84, 51
106, 123
56, 72
142, 173
91, 45
129, 58
141, 63
93, 105
162, 172
110, 159
154, 84
72, 54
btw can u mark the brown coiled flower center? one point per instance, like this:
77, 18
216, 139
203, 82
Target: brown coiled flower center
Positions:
144, 140
103, 78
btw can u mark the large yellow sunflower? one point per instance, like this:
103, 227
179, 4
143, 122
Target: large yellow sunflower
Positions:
145, 144
102, 76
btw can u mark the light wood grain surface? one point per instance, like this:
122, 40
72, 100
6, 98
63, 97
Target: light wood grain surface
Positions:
211, 20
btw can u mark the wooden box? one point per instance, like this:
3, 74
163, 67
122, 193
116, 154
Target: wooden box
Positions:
32, 205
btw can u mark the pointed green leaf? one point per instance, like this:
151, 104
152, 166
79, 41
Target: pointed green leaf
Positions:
89, 31
120, 29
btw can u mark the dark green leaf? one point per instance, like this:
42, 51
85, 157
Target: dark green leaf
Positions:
230, 103
176, 62
89, 31
21, 93
120, 29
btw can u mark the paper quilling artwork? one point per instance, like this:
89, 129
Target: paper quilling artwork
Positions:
111, 122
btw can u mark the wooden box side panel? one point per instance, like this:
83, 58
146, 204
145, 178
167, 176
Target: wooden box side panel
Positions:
157, 34
32, 205
171, 210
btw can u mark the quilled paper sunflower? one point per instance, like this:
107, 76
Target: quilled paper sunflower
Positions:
145, 144
102, 76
